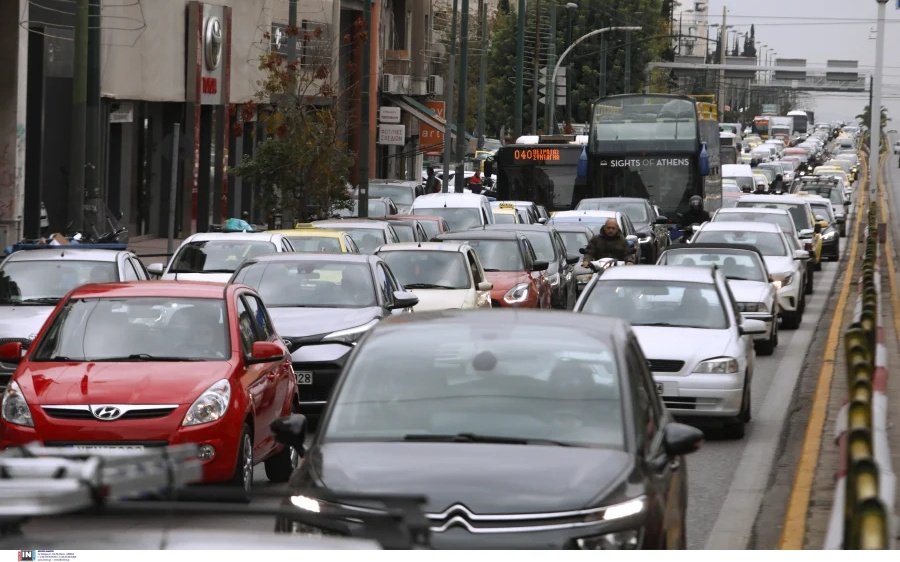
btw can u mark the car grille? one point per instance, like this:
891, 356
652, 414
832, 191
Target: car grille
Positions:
68, 414
495, 303
680, 403
665, 365
324, 377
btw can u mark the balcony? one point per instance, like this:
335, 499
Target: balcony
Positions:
397, 62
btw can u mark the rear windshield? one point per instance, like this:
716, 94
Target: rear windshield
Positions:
218, 256
797, 211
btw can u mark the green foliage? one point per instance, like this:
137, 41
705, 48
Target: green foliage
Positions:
865, 118
301, 165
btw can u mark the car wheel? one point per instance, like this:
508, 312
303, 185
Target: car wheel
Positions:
810, 280
791, 320
243, 469
281, 465
767, 347
818, 266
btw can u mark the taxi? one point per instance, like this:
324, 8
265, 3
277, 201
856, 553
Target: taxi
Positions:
306, 238
833, 171
506, 213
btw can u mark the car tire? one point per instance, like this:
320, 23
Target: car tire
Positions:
281, 465
767, 347
735, 430
810, 281
818, 266
243, 468
791, 320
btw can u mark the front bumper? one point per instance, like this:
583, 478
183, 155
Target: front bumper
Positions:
317, 368
702, 395
789, 297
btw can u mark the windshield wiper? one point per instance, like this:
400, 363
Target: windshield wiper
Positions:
39, 300
491, 269
478, 438
427, 286
664, 324
736, 278
144, 357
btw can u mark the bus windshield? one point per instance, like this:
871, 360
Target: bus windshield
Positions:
667, 182
544, 174
643, 118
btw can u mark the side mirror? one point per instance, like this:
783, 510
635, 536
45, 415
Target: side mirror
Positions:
485, 286
290, 431
801, 255
582, 251
11, 352
631, 239
540, 265
661, 220
806, 233
156, 269
817, 228
751, 327
265, 352
404, 299
572, 259
542, 220
681, 439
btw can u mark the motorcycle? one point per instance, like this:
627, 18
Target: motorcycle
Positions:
682, 235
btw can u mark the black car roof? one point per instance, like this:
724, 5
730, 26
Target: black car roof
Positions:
518, 227
611, 326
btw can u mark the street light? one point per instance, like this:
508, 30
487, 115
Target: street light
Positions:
875, 107
579, 40
550, 107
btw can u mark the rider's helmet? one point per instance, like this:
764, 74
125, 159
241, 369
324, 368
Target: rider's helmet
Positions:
696, 203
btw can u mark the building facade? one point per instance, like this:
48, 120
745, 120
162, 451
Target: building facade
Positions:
691, 24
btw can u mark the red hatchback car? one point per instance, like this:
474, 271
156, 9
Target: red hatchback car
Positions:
147, 364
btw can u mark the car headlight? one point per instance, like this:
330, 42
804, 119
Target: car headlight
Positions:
784, 281
210, 406
829, 235
717, 366
351, 335
14, 407
751, 307
619, 540
517, 294
553, 279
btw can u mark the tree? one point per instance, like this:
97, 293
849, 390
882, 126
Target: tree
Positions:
503, 6
301, 166
750, 43
865, 118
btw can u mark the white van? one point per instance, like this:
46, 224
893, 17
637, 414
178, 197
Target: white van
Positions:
462, 211
742, 174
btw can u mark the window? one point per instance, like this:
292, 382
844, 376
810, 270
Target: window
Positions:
139, 269
245, 327
384, 285
264, 330
130, 274
647, 410
473, 263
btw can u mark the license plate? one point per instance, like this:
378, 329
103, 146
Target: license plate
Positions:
304, 377
123, 449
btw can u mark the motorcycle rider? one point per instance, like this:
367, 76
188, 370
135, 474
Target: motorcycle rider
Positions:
610, 243
696, 214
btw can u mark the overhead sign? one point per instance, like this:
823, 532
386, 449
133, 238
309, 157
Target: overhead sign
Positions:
537, 154
389, 114
392, 134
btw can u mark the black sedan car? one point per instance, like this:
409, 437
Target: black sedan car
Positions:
549, 247
524, 429
321, 304
651, 227
577, 236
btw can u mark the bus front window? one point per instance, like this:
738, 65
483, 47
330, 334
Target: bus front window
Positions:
667, 186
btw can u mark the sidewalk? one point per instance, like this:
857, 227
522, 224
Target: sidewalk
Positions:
153, 250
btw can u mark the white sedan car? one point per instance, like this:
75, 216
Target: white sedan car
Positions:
748, 279
444, 275
699, 348
784, 263
215, 256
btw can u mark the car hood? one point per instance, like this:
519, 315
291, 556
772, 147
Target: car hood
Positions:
503, 281
779, 265
749, 291
690, 345
209, 277
570, 477
22, 321
120, 383
296, 322
440, 299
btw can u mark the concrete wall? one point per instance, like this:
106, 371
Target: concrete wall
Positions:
13, 57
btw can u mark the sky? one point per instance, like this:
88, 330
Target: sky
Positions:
819, 30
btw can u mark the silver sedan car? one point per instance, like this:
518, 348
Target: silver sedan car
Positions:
748, 279
699, 348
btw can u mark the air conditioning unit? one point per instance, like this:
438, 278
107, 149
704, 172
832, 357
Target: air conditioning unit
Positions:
395, 83
435, 84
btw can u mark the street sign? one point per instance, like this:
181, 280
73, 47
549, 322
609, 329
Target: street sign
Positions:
392, 134
431, 140
389, 114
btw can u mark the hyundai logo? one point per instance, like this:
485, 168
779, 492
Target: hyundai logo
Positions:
107, 413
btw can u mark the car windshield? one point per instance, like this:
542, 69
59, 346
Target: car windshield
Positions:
542, 243
217, 256
823, 210
137, 329
405, 232
741, 266
458, 218
377, 208
768, 243
521, 384
797, 211
574, 240
831, 193
637, 212
497, 255
367, 239
783, 221
46, 281
310, 283
318, 244
431, 228
424, 269
649, 302
504, 218
399, 194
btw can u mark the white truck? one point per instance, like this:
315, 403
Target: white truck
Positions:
782, 127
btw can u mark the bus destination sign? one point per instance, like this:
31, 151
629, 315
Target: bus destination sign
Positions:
537, 155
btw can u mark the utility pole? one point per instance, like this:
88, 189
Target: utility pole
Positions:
569, 11
92, 118
722, 47
875, 105
482, 76
603, 66
520, 67
461, 141
79, 117
550, 106
537, 67
628, 63
365, 82
448, 102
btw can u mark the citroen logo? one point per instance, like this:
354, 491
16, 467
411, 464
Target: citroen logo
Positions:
107, 413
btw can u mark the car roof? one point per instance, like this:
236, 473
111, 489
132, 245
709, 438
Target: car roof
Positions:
599, 213
700, 246
619, 199
308, 256
757, 210
788, 199
172, 289
573, 227
519, 227
730, 226
416, 217
208, 236
432, 200
424, 246
67, 253
691, 274
480, 234
351, 223
313, 232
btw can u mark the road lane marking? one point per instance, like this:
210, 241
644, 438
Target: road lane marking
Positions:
794, 530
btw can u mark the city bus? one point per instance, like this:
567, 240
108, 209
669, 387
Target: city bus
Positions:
801, 120
543, 169
661, 147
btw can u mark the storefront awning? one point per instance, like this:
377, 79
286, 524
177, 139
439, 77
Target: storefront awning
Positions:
422, 113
